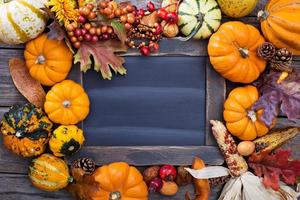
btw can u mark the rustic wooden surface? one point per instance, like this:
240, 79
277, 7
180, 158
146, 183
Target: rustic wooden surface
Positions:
14, 183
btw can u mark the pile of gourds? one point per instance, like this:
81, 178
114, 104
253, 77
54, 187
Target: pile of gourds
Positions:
232, 49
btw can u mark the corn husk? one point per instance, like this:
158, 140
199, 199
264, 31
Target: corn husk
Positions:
246, 187
209, 172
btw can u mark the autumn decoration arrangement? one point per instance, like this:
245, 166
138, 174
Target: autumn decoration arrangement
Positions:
60, 33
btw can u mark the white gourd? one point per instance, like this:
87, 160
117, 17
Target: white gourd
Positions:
21, 20
202, 15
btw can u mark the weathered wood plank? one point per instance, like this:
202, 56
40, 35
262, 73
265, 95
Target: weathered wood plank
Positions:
151, 155
215, 96
17, 186
9, 94
23, 189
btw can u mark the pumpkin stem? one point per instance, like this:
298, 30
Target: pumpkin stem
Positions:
252, 115
115, 196
66, 103
40, 60
262, 15
199, 17
244, 52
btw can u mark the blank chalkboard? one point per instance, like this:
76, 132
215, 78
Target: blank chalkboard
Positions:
160, 102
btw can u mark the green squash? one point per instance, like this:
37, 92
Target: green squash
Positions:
26, 130
199, 18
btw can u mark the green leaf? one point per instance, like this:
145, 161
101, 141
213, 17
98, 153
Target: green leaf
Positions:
119, 30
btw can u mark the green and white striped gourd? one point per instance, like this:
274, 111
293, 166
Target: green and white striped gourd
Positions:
199, 18
49, 173
21, 20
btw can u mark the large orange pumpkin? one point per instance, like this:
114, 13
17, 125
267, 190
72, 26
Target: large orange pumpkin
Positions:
67, 103
49, 61
233, 52
280, 24
119, 181
241, 120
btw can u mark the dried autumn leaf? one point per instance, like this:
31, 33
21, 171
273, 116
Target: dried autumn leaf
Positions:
104, 57
150, 20
27, 86
83, 186
119, 30
285, 96
55, 29
276, 166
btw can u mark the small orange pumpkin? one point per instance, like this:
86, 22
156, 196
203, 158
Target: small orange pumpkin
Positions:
241, 120
67, 103
49, 61
120, 181
233, 52
280, 24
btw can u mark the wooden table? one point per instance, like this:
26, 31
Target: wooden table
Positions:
14, 183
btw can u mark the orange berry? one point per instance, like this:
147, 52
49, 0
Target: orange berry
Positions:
87, 26
73, 39
103, 4
104, 29
123, 18
92, 31
110, 30
98, 31
118, 12
107, 11
92, 15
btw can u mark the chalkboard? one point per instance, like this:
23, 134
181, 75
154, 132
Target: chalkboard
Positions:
160, 102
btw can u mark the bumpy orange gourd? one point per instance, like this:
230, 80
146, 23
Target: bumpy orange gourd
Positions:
119, 181
280, 24
48, 61
233, 52
241, 120
67, 103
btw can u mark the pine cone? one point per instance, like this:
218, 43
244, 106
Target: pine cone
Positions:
282, 61
218, 181
266, 50
87, 164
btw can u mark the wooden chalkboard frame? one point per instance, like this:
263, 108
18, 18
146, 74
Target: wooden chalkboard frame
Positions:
176, 155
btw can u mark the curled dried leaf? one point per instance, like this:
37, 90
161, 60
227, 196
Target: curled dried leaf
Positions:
27, 86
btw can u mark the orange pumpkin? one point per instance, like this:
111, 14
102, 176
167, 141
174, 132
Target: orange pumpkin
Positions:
67, 103
48, 61
280, 24
241, 120
233, 52
120, 181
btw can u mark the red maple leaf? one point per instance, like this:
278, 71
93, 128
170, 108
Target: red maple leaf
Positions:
275, 166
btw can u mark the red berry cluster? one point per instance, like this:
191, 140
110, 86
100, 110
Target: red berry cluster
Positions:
169, 17
156, 175
86, 30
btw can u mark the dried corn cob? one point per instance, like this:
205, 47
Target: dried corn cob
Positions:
235, 162
218, 181
275, 139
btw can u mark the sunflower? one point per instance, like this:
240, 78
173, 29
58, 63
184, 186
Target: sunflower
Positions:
65, 10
